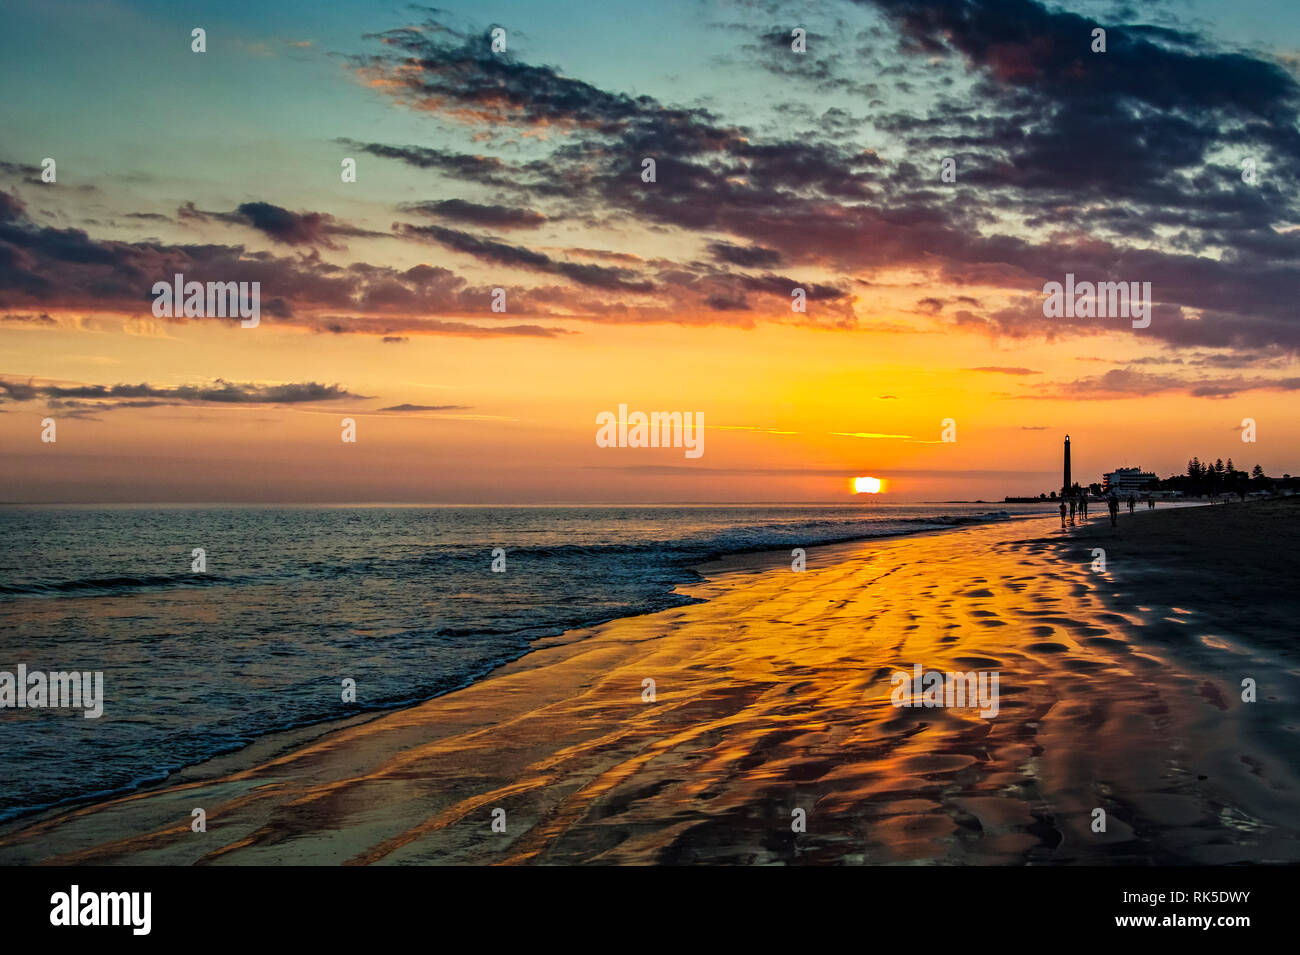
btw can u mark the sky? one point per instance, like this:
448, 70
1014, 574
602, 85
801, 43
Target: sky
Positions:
521, 170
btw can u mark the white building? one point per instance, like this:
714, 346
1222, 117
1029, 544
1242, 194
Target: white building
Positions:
1127, 481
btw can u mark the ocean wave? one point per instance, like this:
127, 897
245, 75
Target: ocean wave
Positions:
666, 553
110, 586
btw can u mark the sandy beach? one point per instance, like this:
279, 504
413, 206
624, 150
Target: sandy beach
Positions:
1120, 690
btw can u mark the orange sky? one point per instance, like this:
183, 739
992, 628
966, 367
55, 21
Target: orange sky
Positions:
777, 403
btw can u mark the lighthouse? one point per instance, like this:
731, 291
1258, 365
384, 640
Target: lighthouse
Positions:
1065, 488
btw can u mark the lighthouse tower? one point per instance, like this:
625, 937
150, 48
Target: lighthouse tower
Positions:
1065, 488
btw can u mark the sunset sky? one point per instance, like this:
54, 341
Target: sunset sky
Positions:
522, 170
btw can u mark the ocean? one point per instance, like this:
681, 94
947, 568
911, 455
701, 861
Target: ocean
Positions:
294, 600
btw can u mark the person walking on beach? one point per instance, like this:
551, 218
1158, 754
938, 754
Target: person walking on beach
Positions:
1132, 503
1071, 510
1083, 507
1062, 513
1112, 502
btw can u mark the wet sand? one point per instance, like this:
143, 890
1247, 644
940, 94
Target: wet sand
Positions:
1120, 690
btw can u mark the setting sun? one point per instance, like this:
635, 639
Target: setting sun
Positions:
866, 485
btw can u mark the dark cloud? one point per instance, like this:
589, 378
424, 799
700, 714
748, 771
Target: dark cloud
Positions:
1121, 383
491, 250
28, 173
281, 225
750, 256
825, 66
1152, 110
51, 267
721, 303
1157, 111
485, 170
410, 407
459, 73
108, 397
385, 326
11, 207
1022, 43
701, 164
473, 213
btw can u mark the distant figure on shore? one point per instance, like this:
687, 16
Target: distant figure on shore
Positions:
1071, 510
1083, 507
1151, 504
1062, 509
1132, 503
1112, 502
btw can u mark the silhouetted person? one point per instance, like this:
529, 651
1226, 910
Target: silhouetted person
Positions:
1071, 510
1062, 509
1083, 507
1132, 503
1151, 504
1112, 503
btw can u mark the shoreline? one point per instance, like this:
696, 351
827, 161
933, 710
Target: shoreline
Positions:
276, 740
545, 691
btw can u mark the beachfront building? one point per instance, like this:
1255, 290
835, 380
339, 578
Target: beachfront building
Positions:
1125, 481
